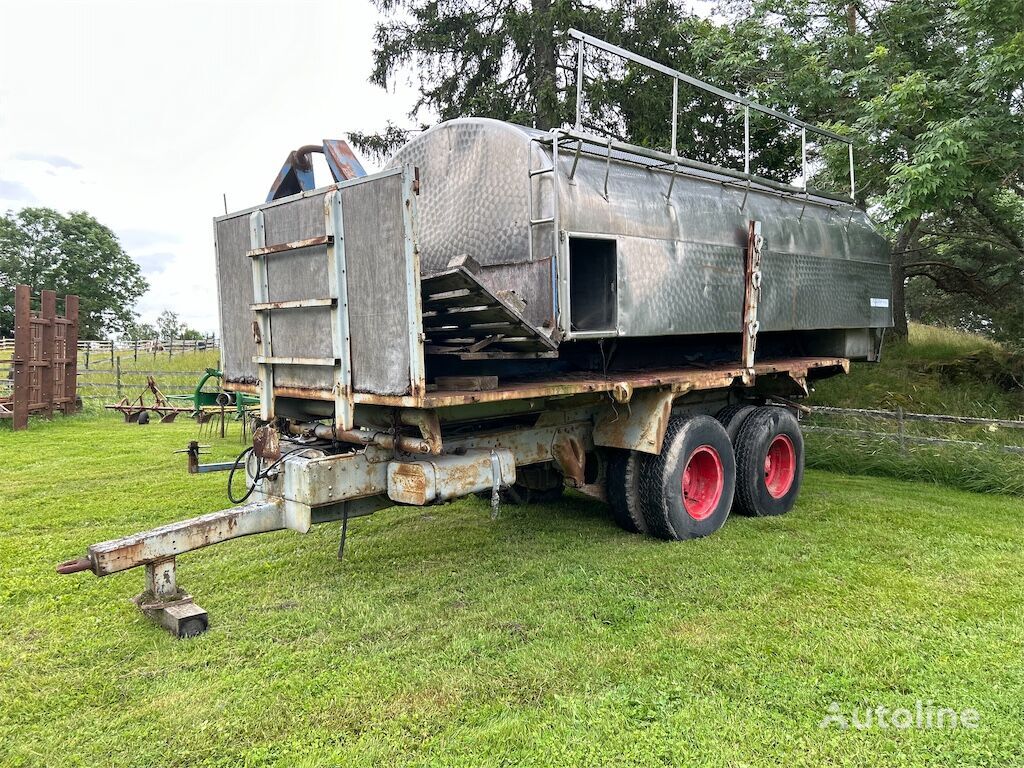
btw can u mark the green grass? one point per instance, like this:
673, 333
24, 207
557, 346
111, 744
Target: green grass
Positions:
907, 377
547, 637
937, 370
177, 375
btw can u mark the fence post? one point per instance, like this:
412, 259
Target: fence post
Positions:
170, 348
901, 429
48, 314
117, 376
22, 354
71, 354
87, 345
111, 353
136, 350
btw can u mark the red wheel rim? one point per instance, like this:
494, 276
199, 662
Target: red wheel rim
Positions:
780, 466
703, 481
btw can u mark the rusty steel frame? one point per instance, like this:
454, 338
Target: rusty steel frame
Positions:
751, 298
45, 362
681, 379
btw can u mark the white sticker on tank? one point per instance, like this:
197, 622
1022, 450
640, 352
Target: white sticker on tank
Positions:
879, 302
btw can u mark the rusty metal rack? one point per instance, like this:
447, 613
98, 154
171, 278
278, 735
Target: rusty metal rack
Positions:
45, 361
133, 408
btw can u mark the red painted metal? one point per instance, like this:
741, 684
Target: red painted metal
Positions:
780, 466
703, 482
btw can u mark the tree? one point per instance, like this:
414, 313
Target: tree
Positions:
933, 95
508, 59
168, 325
141, 331
70, 253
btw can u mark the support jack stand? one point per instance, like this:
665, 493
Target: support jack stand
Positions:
168, 606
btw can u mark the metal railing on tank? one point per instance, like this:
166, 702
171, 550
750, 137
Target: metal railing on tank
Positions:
585, 41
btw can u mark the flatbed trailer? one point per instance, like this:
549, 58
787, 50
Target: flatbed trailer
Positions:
508, 312
518, 442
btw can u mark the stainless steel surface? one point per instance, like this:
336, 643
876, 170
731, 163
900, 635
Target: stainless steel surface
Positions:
512, 198
334, 310
680, 234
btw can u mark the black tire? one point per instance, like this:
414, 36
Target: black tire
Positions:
732, 417
768, 485
143, 418
690, 439
623, 490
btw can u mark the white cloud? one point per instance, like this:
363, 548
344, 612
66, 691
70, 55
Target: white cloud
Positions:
144, 114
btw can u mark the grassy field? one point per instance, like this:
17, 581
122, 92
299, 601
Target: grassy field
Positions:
547, 637
910, 376
937, 371
177, 375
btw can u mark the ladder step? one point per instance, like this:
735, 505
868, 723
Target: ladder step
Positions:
542, 170
548, 220
325, 361
266, 306
294, 245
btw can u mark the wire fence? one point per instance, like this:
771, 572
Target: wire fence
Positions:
974, 453
113, 385
110, 370
97, 350
903, 432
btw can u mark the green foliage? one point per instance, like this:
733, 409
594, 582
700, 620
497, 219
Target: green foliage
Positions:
508, 60
169, 326
545, 638
70, 253
140, 330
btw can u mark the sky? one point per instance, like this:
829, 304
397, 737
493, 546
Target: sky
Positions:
145, 113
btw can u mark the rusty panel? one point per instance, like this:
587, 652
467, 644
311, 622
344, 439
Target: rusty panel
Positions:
234, 290
45, 355
377, 286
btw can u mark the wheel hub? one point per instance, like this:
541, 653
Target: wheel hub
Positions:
780, 466
702, 482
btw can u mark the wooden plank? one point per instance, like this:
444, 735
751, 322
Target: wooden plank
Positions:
467, 317
22, 353
443, 282
48, 311
474, 331
467, 383
454, 299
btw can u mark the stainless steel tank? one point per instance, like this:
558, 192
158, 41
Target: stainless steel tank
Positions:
601, 242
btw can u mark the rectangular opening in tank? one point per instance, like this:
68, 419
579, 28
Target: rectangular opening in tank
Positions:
592, 278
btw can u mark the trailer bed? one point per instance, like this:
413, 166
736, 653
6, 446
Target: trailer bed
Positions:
690, 378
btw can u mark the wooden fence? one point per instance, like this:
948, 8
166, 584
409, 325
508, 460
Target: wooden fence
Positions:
44, 365
111, 384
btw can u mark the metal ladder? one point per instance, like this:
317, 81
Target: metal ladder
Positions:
263, 307
552, 220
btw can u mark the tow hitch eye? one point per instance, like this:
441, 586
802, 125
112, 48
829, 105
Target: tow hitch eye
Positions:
74, 566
